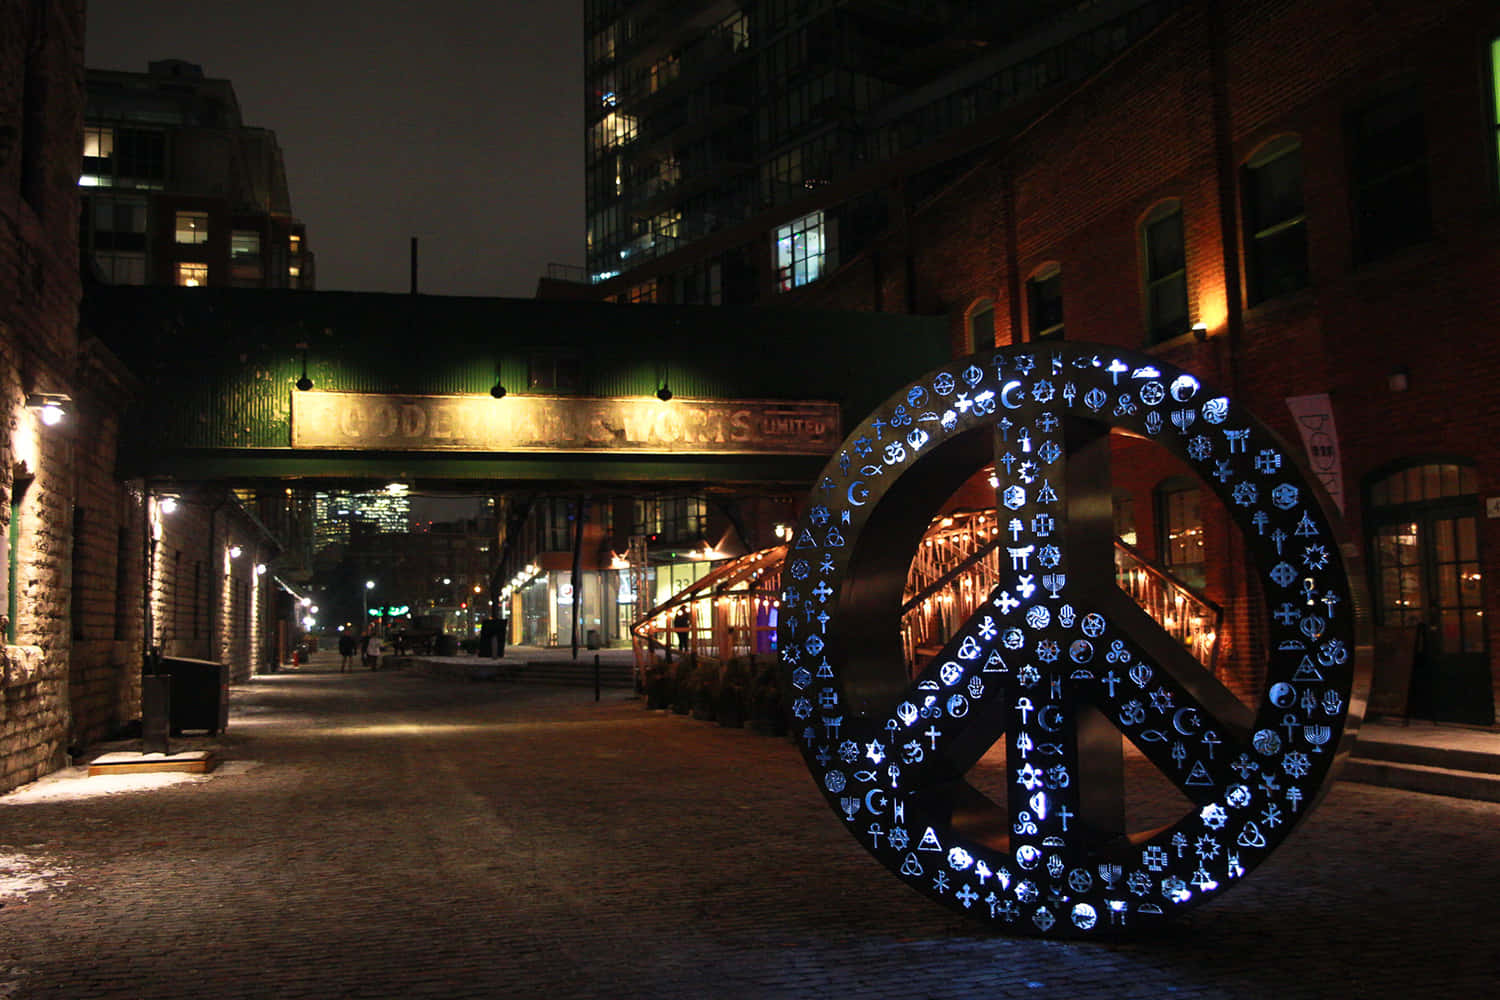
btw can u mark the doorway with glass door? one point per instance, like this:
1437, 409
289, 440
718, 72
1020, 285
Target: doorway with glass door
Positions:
1427, 578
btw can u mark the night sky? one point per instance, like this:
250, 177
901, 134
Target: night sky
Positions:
455, 121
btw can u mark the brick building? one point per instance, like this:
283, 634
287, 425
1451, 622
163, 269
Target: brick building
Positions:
75, 536
1299, 202
178, 190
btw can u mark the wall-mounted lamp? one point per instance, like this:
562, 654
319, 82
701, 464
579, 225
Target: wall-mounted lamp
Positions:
498, 390
1397, 380
260, 569
1200, 332
234, 551
52, 407
167, 505
663, 394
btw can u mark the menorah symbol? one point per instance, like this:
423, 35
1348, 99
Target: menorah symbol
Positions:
1111, 874
1317, 736
1054, 582
851, 806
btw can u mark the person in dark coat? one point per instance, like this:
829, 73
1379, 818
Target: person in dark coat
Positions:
348, 645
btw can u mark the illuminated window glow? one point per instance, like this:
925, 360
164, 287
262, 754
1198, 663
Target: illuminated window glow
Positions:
192, 227
800, 249
192, 275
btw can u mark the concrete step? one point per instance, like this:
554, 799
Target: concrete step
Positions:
1427, 755
1456, 782
579, 673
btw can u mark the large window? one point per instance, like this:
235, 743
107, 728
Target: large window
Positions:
118, 223
192, 275
800, 250
1181, 522
140, 158
98, 157
1044, 303
1164, 255
982, 325
672, 519
192, 227
1388, 175
1275, 221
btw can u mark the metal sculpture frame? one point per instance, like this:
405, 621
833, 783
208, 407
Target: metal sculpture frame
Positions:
1058, 662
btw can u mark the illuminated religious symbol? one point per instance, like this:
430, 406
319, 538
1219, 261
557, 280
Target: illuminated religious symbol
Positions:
1183, 735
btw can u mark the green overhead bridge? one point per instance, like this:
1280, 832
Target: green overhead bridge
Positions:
452, 393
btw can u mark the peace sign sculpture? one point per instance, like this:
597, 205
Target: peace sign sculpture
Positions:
1058, 662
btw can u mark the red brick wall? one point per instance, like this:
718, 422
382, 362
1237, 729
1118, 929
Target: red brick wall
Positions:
1174, 118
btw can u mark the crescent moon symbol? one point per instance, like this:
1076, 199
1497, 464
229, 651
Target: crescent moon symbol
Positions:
1005, 392
1050, 718
868, 805
864, 492
1186, 721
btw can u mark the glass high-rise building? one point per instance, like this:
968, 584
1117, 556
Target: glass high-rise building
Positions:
738, 150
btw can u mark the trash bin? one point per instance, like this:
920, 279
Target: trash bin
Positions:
593, 638
200, 694
492, 638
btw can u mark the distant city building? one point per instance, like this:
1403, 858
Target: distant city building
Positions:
178, 190
738, 151
340, 515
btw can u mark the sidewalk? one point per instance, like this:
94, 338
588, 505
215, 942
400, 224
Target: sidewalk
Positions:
387, 835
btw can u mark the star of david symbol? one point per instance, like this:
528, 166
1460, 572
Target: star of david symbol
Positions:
1063, 718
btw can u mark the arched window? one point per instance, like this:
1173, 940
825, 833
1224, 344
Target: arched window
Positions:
1044, 302
1275, 220
979, 326
1180, 526
1164, 264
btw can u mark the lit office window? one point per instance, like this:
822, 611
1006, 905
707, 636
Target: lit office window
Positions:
192, 227
244, 244
192, 275
98, 157
800, 251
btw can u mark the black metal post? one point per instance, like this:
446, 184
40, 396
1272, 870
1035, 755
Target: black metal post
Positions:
596, 676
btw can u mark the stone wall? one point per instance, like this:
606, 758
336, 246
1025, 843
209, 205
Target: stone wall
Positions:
41, 114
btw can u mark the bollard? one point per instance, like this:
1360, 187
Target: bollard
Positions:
596, 676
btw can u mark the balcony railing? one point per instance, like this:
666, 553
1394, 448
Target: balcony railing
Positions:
957, 568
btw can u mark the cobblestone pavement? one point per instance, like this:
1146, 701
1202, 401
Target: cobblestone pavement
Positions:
384, 835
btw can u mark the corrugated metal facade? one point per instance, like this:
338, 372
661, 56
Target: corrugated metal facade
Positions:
220, 365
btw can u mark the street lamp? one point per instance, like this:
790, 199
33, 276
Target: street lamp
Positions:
369, 586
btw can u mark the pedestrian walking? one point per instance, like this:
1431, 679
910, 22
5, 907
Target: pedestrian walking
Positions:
372, 651
348, 646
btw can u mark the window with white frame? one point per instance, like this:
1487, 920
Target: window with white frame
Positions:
801, 247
